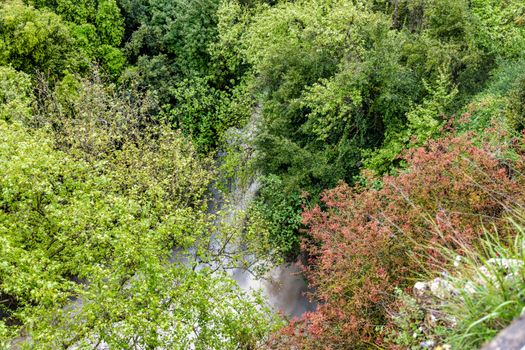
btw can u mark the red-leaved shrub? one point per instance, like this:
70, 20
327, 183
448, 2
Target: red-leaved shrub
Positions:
363, 242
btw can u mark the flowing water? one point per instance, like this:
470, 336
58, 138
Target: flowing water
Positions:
284, 287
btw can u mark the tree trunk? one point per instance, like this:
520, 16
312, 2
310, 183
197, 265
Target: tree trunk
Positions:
396, 14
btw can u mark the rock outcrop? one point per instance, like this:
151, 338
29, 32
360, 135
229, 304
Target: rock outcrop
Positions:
511, 338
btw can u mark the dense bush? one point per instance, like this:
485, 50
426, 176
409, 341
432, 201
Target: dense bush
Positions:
31, 40
180, 29
516, 110
205, 113
15, 94
339, 83
282, 212
501, 26
362, 245
323, 98
85, 243
180, 54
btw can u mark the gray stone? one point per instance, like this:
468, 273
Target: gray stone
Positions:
511, 338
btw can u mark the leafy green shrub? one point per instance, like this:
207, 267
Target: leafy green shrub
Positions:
323, 100
501, 27
340, 86
86, 234
181, 30
155, 74
5, 335
204, 112
100, 123
97, 26
516, 109
282, 212
32, 39
424, 121
15, 94
77, 11
109, 23
112, 60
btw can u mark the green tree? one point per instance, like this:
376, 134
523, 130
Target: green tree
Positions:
87, 231
282, 212
180, 29
32, 39
97, 27
15, 94
501, 26
331, 82
109, 23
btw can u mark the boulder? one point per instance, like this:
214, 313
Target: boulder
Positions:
511, 338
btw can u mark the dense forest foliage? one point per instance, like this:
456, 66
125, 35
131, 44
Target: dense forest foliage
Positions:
386, 137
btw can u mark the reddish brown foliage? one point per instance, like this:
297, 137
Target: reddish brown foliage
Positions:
363, 242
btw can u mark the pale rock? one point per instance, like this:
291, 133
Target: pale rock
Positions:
441, 288
421, 290
509, 264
